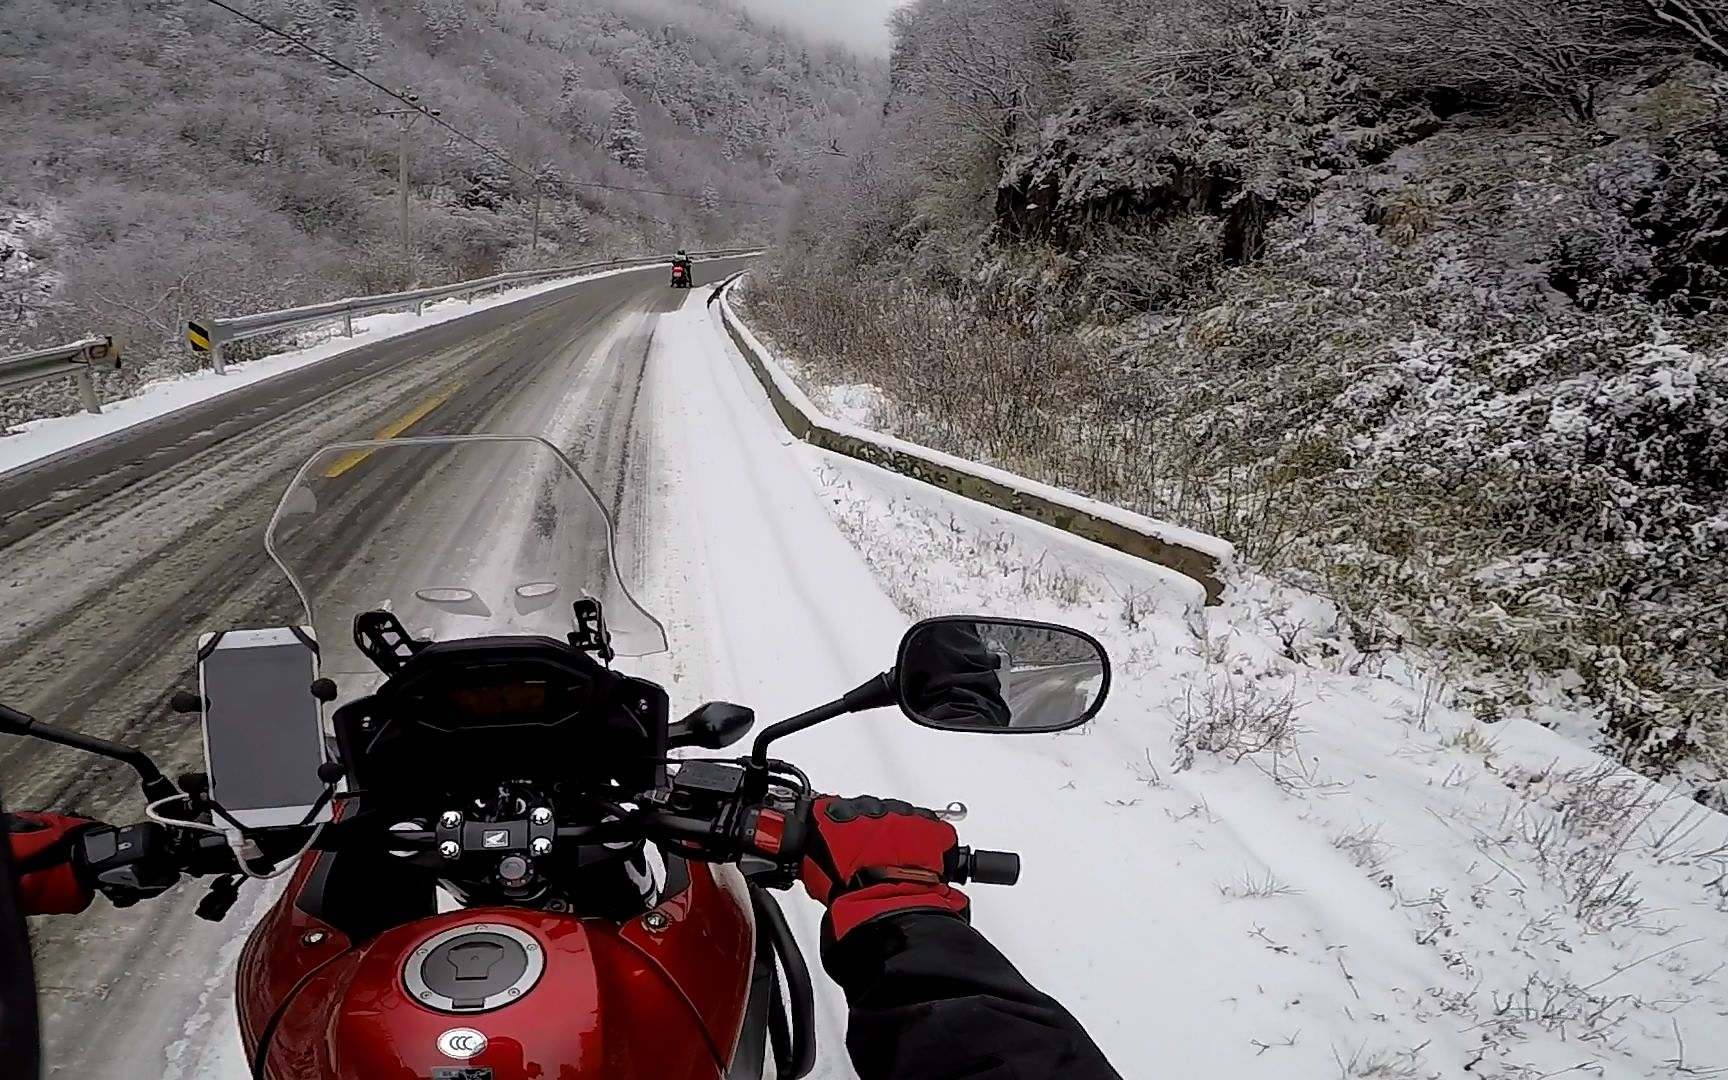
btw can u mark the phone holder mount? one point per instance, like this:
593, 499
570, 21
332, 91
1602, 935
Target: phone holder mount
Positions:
381, 638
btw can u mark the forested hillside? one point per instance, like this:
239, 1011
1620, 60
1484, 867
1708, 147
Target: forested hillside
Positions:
1422, 302
167, 157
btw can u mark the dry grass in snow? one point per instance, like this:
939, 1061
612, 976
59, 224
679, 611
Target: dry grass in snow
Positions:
1316, 856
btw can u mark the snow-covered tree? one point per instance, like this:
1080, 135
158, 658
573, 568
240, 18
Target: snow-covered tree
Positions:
305, 21
173, 39
302, 19
577, 232
624, 140
1495, 51
1705, 22
490, 183
442, 20
344, 11
582, 113
368, 40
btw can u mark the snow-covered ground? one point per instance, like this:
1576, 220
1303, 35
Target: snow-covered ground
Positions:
1270, 856
37, 439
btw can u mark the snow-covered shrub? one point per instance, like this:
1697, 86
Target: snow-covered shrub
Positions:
1497, 52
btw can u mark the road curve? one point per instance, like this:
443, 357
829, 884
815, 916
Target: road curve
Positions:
1051, 695
115, 556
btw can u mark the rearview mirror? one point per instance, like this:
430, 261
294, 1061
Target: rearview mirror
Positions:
964, 673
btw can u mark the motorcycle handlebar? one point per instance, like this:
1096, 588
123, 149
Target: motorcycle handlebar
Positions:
779, 836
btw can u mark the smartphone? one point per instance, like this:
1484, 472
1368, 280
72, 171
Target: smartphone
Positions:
263, 729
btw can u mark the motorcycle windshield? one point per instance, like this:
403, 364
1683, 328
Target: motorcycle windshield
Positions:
458, 536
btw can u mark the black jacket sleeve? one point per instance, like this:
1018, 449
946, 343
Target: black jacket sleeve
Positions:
949, 674
932, 1000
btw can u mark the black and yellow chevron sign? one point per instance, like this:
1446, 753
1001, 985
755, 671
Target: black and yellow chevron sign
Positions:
198, 336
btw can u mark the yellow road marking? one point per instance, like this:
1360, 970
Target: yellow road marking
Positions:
418, 413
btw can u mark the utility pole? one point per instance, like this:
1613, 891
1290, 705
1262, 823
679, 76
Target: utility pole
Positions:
540, 168
404, 121
536, 242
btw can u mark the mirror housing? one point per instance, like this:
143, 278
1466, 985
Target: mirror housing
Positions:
712, 726
1003, 676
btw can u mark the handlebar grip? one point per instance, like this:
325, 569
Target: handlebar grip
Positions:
795, 834
986, 867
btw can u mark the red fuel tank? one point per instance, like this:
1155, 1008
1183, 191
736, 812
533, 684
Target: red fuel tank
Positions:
510, 993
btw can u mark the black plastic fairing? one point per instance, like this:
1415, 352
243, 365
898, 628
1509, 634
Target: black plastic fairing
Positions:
461, 713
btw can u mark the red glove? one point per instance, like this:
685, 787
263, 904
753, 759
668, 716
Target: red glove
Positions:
41, 846
870, 857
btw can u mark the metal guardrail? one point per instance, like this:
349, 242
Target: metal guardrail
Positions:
75, 359
211, 335
78, 358
1195, 555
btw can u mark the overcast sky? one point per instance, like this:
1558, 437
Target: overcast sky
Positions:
861, 24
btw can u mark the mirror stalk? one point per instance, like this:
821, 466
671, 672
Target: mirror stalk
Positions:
156, 786
875, 692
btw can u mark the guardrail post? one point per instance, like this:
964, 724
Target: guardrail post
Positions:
348, 324
87, 391
216, 359
76, 359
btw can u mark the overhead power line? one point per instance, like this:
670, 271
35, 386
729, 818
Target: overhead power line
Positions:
432, 115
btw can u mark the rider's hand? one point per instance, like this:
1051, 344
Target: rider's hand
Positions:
41, 847
869, 857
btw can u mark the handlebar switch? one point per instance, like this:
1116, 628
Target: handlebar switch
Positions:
765, 832
128, 864
542, 831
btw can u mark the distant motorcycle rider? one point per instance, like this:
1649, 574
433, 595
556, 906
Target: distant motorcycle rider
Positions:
681, 271
929, 997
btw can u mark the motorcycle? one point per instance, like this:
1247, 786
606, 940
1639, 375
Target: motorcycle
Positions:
524, 872
681, 276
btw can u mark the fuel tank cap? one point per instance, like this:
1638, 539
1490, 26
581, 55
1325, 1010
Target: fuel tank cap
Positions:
474, 967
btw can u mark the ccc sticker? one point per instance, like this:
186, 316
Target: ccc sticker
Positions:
461, 1043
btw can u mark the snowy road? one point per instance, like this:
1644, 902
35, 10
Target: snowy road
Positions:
1050, 695
115, 557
